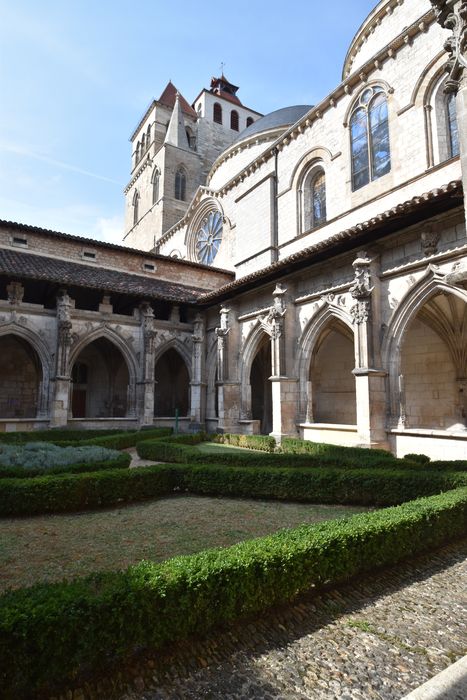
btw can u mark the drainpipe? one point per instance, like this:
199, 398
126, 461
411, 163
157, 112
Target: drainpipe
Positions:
274, 217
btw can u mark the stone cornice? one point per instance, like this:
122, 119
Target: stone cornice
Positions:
366, 30
384, 221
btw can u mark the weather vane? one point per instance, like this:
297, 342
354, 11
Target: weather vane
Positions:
222, 67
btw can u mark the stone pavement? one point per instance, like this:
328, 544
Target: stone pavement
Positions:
379, 637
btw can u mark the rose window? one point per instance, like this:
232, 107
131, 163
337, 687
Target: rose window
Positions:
209, 238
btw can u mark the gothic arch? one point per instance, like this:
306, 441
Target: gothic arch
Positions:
45, 358
36, 342
309, 338
421, 92
315, 154
211, 379
251, 346
181, 348
126, 352
110, 335
369, 84
428, 286
172, 375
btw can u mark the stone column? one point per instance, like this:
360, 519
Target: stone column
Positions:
62, 385
222, 332
283, 388
369, 380
198, 383
452, 15
146, 401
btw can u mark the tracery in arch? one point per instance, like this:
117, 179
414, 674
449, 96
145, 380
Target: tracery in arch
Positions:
369, 137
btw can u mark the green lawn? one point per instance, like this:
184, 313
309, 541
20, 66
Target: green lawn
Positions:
53, 547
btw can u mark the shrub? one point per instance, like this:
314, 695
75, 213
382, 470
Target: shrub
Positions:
293, 453
55, 633
73, 492
115, 439
264, 443
183, 452
421, 459
356, 487
128, 439
53, 435
118, 461
38, 458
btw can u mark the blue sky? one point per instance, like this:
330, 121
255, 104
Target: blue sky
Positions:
75, 77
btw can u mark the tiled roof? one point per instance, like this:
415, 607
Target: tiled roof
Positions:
227, 96
168, 99
25, 228
387, 222
38, 267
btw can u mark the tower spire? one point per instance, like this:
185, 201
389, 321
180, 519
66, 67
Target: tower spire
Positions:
176, 134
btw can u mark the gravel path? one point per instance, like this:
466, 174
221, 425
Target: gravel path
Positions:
377, 638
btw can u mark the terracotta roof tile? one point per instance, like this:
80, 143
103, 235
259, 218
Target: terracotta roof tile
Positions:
38, 267
385, 222
168, 99
24, 228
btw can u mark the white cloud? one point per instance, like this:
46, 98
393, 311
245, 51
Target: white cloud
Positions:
109, 229
29, 153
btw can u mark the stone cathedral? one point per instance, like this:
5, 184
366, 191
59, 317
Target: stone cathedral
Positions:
298, 273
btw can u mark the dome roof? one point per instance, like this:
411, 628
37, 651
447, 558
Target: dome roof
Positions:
284, 117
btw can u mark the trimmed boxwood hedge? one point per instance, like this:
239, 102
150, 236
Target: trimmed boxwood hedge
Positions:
72, 492
293, 453
53, 435
54, 634
114, 439
264, 443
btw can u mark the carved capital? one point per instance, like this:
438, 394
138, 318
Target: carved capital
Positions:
360, 312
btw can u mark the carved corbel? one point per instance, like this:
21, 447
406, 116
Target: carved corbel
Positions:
221, 333
272, 324
452, 15
361, 289
429, 240
15, 291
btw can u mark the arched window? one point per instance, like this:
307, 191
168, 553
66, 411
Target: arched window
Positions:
249, 121
312, 198
318, 200
234, 120
369, 137
143, 145
135, 207
191, 138
217, 113
155, 185
180, 184
453, 132
138, 152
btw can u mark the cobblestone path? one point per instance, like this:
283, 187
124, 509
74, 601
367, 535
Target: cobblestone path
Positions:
378, 638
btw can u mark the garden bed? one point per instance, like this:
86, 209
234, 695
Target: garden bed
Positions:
55, 634
50, 548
